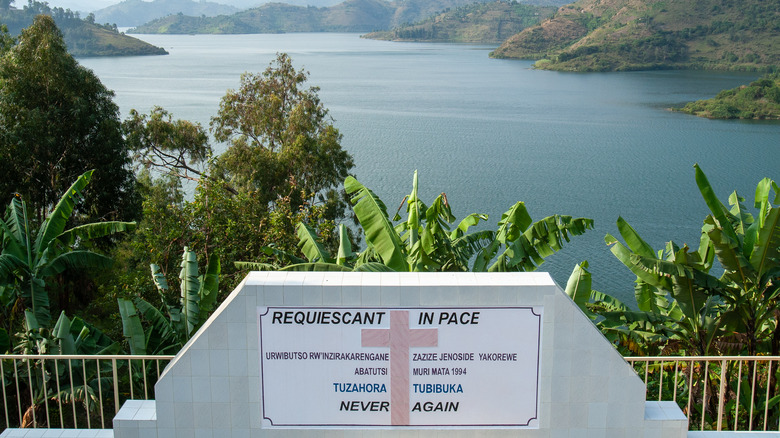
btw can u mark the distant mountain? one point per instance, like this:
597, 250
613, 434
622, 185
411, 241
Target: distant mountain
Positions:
136, 12
349, 16
491, 22
601, 35
82, 36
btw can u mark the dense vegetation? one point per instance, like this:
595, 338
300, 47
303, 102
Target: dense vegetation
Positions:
682, 305
491, 22
40, 159
592, 35
83, 37
759, 100
349, 16
283, 165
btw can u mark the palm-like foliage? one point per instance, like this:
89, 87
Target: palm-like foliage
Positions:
682, 306
748, 249
171, 328
30, 257
425, 240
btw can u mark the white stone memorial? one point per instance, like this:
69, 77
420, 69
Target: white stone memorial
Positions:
314, 354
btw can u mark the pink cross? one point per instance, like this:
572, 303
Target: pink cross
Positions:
400, 339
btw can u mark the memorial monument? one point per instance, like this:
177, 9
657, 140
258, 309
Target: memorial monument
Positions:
399, 354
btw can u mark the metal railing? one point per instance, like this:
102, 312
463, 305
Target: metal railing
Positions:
59, 391
716, 392
64, 391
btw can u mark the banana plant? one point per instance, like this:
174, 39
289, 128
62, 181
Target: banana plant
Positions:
30, 257
691, 307
748, 249
651, 330
173, 326
427, 241
674, 290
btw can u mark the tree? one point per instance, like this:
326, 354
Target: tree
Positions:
159, 142
425, 242
281, 167
282, 141
56, 122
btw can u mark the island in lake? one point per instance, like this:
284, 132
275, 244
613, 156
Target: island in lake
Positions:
759, 100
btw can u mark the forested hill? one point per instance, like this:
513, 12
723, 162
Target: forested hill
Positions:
601, 35
137, 12
83, 37
760, 100
491, 22
349, 16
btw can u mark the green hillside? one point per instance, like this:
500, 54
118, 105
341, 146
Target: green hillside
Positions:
136, 12
603, 35
83, 37
475, 23
759, 100
349, 16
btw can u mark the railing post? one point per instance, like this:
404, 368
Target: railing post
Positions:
100, 393
72, 394
752, 396
86, 392
739, 392
690, 389
5, 397
768, 383
143, 367
722, 392
45, 392
59, 398
32, 397
116, 386
18, 394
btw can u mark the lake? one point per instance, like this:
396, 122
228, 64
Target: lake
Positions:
490, 132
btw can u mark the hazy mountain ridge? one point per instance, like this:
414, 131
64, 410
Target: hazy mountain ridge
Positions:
82, 36
491, 22
137, 12
349, 16
599, 35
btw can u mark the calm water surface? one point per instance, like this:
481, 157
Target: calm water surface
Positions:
489, 132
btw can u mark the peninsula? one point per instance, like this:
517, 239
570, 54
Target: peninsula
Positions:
84, 37
614, 35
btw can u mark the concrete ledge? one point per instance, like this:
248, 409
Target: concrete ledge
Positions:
57, 433
732, 434
664, 419
663, 411
135, 416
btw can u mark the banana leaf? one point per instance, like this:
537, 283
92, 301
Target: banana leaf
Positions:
131, 327
379, 232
